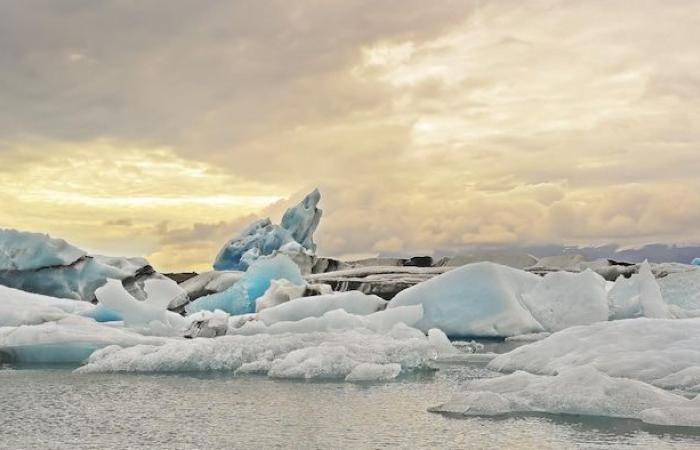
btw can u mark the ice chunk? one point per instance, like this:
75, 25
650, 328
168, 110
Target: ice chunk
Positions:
374, 372
695, 262
315, 355
578, 391
335, 320
353, 302
482, 299
564, 299
442, 344
650, 350
263, 238
638, 296
24, 308
240, 298
68, 340
280, 291
150, 316
29, 251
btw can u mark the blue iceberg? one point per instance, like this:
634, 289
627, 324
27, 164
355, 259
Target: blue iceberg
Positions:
696, 262
264, 238
39, 264
240, 298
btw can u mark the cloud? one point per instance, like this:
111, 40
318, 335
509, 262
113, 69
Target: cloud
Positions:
429, 125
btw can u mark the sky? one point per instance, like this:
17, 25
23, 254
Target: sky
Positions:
162, 128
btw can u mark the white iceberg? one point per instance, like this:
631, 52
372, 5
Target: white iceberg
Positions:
578, 391
662, 352
637, 296
482, 299
24, 308
353, 302
334, 346
150, 316
564, 299
68, 340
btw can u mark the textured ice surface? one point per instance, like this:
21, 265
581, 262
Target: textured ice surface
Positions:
68, 340
580, 391
263, 238
482, 299
316, 355
564, 299
24, 308
240, 297
21, 250
663, 352
682, 289
696, 262
353, 302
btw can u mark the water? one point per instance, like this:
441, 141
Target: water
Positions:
50, 407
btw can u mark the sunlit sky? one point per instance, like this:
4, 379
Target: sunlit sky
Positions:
161, 128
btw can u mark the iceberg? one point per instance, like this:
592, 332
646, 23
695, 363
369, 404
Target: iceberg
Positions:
695, 262
24, 308
335, 320
482, 299
637, 296
240, 297
263, 238
20, 251
69, 340
302, 220
150, 316
661, 352
353, 302
564, 299
37, 263
337, 346
578, 391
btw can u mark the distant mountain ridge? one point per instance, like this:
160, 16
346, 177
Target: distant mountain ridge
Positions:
656, 253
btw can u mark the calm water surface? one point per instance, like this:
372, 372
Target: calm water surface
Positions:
50, 407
